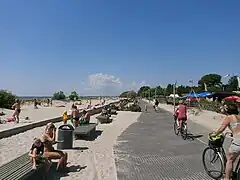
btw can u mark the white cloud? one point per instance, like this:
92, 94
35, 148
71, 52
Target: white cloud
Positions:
135, 86
104, 84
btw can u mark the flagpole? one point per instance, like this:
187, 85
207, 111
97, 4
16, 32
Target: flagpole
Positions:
155, 93
174, 98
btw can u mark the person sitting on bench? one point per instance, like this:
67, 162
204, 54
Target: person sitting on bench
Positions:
85, 118
36, 155
48, 139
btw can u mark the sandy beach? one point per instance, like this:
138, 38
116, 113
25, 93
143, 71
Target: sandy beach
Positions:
42, 113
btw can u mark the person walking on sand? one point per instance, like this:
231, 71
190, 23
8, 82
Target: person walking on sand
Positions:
17, 110
35, 103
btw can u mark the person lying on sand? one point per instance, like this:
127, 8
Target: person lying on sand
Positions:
17, 110
36, 154
48, 140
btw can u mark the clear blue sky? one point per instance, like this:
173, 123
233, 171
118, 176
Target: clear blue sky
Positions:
106, 46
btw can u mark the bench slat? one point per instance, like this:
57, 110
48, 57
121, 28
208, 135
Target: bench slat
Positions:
16, 170
20, 173
12, 166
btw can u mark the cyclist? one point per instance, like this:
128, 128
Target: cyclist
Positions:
232, 121
181, 113
155, 106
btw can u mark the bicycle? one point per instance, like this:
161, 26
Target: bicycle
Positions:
183, 128
218, 153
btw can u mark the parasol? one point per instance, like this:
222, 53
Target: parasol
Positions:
232, 98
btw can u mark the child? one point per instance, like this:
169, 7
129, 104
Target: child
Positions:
36, 153
65, 117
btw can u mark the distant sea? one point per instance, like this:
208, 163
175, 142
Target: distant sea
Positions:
46, 97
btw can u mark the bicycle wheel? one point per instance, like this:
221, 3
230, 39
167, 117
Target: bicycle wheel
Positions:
175, 128
213, 163
184, 130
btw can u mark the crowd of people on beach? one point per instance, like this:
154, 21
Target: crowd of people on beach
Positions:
17, 108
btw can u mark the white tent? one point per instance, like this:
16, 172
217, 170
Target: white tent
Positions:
172, 95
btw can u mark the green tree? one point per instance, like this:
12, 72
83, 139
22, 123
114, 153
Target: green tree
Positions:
169, 89
211, 80
59, 95
143, 90
73, 96
7, 99
128, 94
160, 90
124, 94
232, 84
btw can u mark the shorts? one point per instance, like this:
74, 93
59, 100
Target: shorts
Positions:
235, 146
40, 160
182, 119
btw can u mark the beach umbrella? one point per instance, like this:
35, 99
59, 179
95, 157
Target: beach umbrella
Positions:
232, 98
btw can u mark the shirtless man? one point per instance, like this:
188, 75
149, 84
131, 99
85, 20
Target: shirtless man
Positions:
17, 110
75, 116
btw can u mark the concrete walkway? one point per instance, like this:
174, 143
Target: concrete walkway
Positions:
149, 150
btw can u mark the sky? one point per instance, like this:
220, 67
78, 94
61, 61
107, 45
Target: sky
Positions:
104, 47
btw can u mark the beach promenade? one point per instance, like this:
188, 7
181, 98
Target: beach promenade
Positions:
135, 146
149, 150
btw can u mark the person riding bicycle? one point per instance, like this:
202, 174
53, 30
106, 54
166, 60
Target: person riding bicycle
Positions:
155, 105
232, 121
181, 113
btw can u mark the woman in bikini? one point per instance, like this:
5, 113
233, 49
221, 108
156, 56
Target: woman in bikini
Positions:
75, 116
48, 139
232, 121
17, 110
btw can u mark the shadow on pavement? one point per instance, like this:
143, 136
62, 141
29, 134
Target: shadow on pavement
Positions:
57, 175
80, 148
193, 137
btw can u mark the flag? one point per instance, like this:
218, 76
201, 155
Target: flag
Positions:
205, 87
238, 78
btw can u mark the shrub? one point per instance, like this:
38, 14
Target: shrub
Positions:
135, 108
59, 95
7, 99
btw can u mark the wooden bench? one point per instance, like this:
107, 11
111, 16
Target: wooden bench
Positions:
85, 131
20, 169
104, 119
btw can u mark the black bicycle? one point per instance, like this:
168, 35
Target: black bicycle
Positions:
216, 164
183, 128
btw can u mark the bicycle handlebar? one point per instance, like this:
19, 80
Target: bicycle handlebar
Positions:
224, 134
